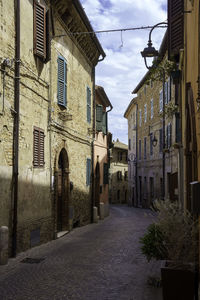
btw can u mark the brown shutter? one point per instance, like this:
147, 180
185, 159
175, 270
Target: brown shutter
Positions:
48, 36
38, 147
175, 26
41, 154
39, 29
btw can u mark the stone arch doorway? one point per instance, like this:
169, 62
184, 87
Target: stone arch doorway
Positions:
191, 143
62, 191
97, 186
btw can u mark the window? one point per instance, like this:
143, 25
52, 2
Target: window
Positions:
140, 149
126, 175
62, 81
88, 171
169, 91
105, 173
119, 156
145, 113
140, 117
175, 26
151, 143
169, 135
161, 101
89, 105
119, 175
145, 148
160, 140
129, 144
151, 187
38, 147
101, 117
151, 108
133, 142
41, 31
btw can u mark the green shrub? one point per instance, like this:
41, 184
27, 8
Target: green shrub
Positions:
153, 244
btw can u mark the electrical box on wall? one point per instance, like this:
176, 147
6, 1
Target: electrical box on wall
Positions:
195, 197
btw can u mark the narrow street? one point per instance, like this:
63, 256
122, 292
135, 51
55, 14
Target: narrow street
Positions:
96, 262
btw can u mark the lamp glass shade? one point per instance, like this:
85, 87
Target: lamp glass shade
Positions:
149, 52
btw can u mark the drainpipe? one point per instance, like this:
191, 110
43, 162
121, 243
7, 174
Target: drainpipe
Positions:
136, 170
16, 127
92, 146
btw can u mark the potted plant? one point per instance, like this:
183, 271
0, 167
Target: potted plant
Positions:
177, 244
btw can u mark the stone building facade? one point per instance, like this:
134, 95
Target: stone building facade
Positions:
101, 150
156, 157
46, 139
118, 174
131, 115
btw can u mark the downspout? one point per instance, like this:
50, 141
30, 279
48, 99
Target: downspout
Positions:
92, 148
136, 170
16, 127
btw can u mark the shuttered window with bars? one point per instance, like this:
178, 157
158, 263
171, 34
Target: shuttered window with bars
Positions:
62, 81
39, 19
175, 26
88, 104
38, 147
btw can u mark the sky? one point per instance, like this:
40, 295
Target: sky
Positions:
123, 67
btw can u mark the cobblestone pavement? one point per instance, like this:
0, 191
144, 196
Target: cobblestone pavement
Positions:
96, 262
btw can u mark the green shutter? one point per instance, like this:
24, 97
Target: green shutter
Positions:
99, 117
88, 104
104, 123
105, 173
62, 81
88, 171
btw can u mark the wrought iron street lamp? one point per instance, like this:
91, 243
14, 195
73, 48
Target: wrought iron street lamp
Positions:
151, 52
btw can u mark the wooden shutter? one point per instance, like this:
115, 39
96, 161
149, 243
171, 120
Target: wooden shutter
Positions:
178, 128
39, 30
62, 81
161, 140
175, 26
88, 104
38, 147
105, 173
99, 117
88, 171
104, 123
48, 37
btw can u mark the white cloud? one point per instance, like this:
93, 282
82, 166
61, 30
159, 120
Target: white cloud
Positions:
123, 67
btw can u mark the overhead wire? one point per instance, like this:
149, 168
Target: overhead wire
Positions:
110, 30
